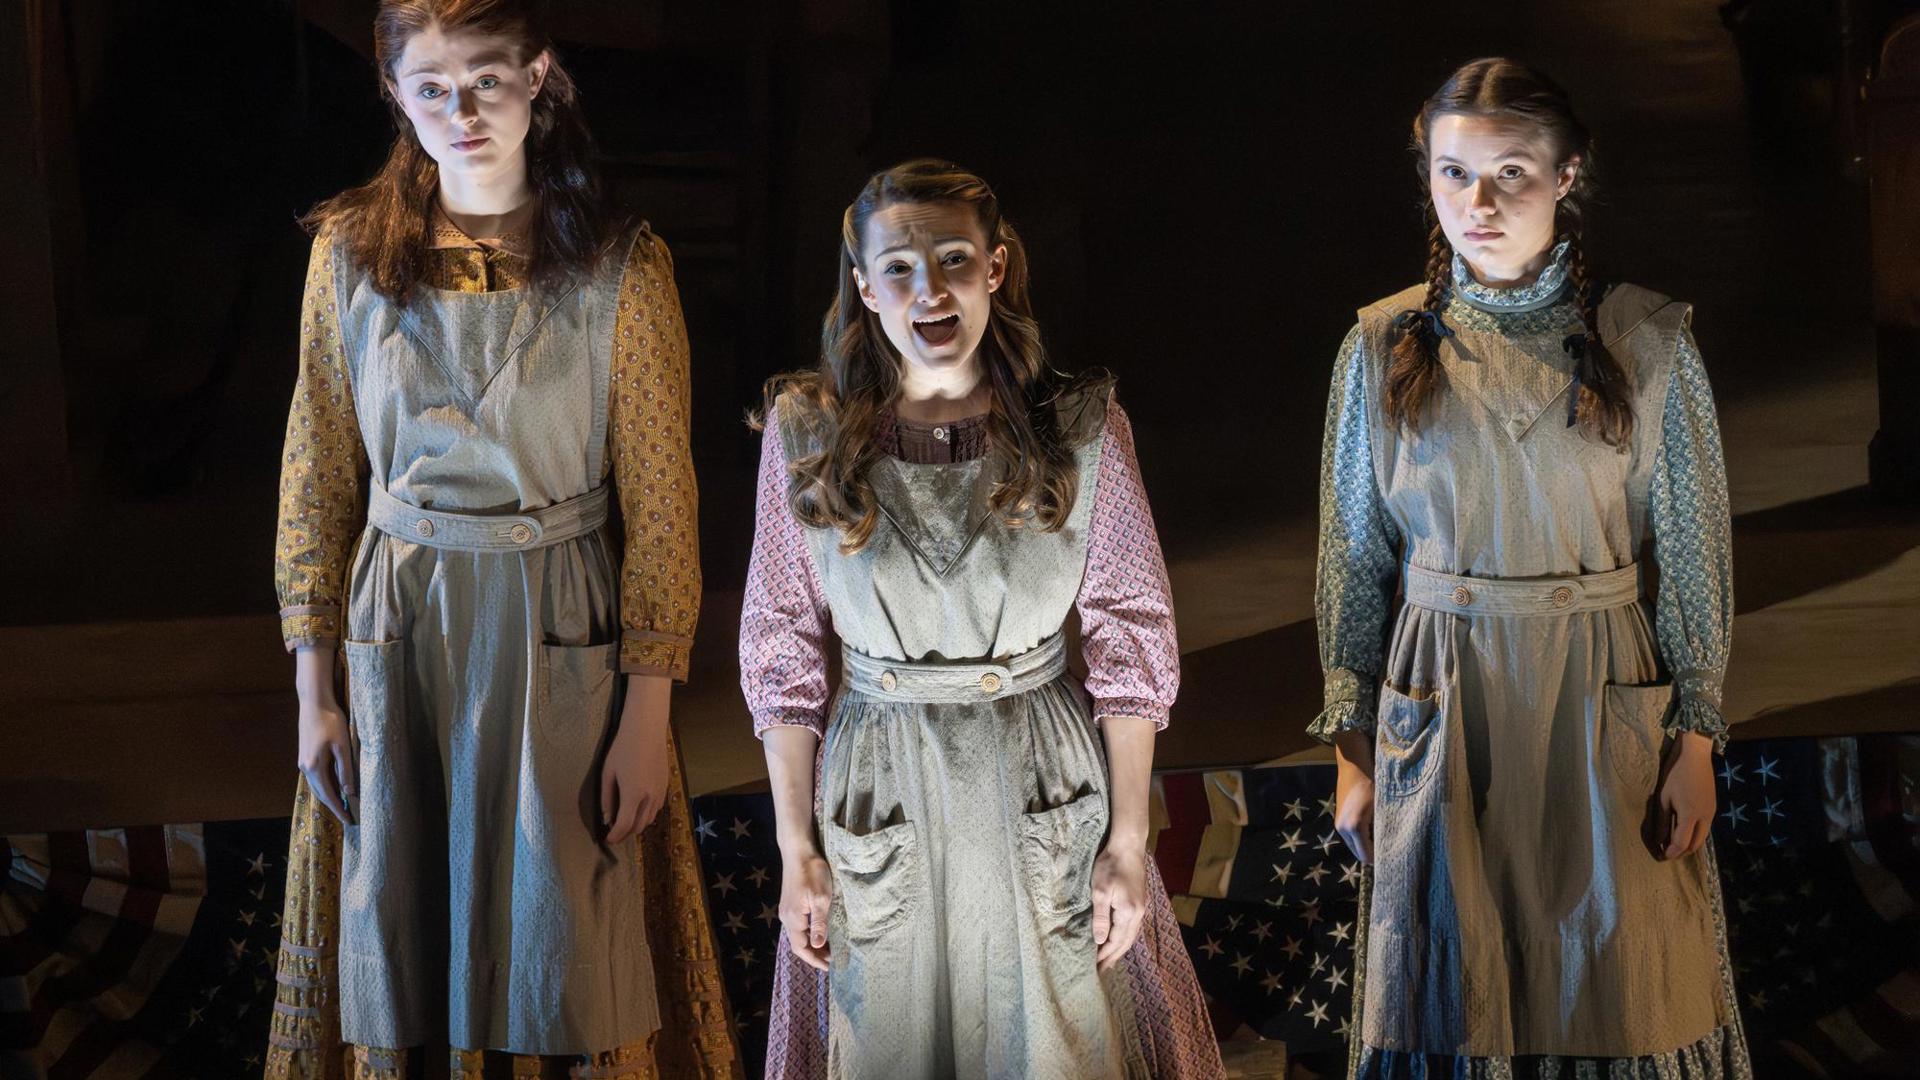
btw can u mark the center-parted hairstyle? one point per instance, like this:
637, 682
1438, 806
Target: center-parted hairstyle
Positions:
386, 224
1509, 90
848, 397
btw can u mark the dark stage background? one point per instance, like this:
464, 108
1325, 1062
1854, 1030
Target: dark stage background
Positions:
1209, 192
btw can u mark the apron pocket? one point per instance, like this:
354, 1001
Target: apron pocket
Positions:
1403, 748
1057, 849
577, 684
875, 877
574, 712
375, 691
1632, 727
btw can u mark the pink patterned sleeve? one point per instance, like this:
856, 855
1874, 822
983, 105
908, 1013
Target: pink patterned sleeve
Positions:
783, 618
1125, 602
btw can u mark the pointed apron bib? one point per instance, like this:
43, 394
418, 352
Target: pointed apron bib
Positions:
963, 792
478, 905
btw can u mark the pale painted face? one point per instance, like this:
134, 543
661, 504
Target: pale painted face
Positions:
1495, 184
469, 99
929, 275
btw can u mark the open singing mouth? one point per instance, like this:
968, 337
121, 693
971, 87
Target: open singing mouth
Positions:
937, 330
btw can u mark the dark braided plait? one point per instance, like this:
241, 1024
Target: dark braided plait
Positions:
1604, 406
1414, 374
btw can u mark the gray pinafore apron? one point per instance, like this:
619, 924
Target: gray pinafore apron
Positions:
479, 906
1513, 908
963, 792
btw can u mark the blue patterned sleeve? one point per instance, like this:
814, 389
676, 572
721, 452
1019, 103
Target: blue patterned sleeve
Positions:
1693, 542
1358, 555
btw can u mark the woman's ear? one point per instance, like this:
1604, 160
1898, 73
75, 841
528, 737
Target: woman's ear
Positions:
866, 294
537, 72
1569, 173
997, 268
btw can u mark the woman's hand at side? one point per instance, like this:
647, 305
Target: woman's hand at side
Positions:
327, 758
633, 779
806, 881
1353, 792
1680, 814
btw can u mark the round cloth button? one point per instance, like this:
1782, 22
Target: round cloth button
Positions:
424, 528
990, 683
521, 533
1462, 595
1562, 596
888, 680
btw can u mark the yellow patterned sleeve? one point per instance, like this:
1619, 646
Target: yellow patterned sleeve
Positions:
653, 468
323, 471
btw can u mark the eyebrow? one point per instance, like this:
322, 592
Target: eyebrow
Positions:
497, 56
937, 240
1505, 155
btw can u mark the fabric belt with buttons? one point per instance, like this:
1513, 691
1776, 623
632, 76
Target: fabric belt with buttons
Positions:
488, 532
954, 682
1521, 596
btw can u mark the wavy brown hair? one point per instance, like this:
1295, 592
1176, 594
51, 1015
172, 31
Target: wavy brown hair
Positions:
385, 225
857, 384
1507, 89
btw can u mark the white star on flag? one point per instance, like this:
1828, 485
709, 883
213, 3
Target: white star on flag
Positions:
1318, 1013
1292, 841
723, 884
1350, 873
1341, 931
1211, 948
1240, 963
741, 829
1337, 979
1262, 930
1319, 871
1271, 982
1766, 770
1282, 872
1296, 810
705, 828
734, 922
758, 877
768, 914
1291, 947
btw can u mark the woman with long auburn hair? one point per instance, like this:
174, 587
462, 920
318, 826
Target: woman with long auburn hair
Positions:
487, 509
967, 892
1525, 754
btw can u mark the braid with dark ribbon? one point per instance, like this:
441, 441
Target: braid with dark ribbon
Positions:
1600, 400
1414, 373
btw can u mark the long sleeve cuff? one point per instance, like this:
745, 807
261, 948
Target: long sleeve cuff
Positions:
310, 624
1143, 708
788, 716
647, 653
1350, 705
1696, 696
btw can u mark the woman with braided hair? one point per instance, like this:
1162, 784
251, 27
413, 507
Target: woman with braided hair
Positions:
1525, 754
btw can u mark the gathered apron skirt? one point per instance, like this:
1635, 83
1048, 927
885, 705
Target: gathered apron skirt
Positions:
962, 806
1514, 907
479, 902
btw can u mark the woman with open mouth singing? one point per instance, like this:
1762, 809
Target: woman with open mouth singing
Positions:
969, 887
